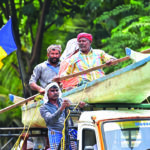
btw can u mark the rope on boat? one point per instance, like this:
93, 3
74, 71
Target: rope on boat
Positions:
147, 100
84, 92
16, 145
18, 141
63, 131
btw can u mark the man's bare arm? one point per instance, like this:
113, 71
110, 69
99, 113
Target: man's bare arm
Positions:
36, 87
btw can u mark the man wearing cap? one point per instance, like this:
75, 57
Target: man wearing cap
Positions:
87, 58
53, 113
46, 71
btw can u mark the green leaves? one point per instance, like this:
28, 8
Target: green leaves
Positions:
29, 10
4, 90
127, 25
9, 76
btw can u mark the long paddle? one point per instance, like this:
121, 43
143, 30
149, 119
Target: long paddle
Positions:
18, 104
90, 69
95, 68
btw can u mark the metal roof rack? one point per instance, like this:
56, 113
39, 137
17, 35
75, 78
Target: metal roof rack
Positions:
119, 105
12, 134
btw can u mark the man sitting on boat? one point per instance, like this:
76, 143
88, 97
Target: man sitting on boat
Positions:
46, 71
87, 58
53, 113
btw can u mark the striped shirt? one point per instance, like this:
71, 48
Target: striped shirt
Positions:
81, 61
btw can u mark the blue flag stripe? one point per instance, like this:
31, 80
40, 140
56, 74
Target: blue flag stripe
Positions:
6, 38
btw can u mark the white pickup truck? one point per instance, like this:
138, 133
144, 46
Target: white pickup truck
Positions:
126, 129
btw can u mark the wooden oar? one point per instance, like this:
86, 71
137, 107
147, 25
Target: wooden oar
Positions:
18, 104
91, 69
95, 68
145, 51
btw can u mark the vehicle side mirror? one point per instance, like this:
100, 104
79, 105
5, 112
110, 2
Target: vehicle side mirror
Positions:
88, 148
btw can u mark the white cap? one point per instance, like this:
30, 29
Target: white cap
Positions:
47, 88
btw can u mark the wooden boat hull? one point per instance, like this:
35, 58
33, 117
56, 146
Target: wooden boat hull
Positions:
127, 85
31, 115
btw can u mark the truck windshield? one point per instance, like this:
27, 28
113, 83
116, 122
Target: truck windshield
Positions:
127, 135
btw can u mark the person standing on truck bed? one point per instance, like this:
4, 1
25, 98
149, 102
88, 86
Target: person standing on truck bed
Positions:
47, 70
53, 113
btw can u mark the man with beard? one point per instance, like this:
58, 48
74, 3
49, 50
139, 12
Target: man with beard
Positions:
87, 58
46, 71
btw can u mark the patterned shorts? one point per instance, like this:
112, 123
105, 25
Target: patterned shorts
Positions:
55, 139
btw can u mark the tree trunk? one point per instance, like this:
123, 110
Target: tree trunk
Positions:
18, 43
38, 42
36, 47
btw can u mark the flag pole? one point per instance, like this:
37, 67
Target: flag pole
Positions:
24, 92
22, 80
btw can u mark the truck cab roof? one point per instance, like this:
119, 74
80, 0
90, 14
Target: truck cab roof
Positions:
112, 114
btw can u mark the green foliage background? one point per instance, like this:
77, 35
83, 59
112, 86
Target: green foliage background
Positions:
114, 25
